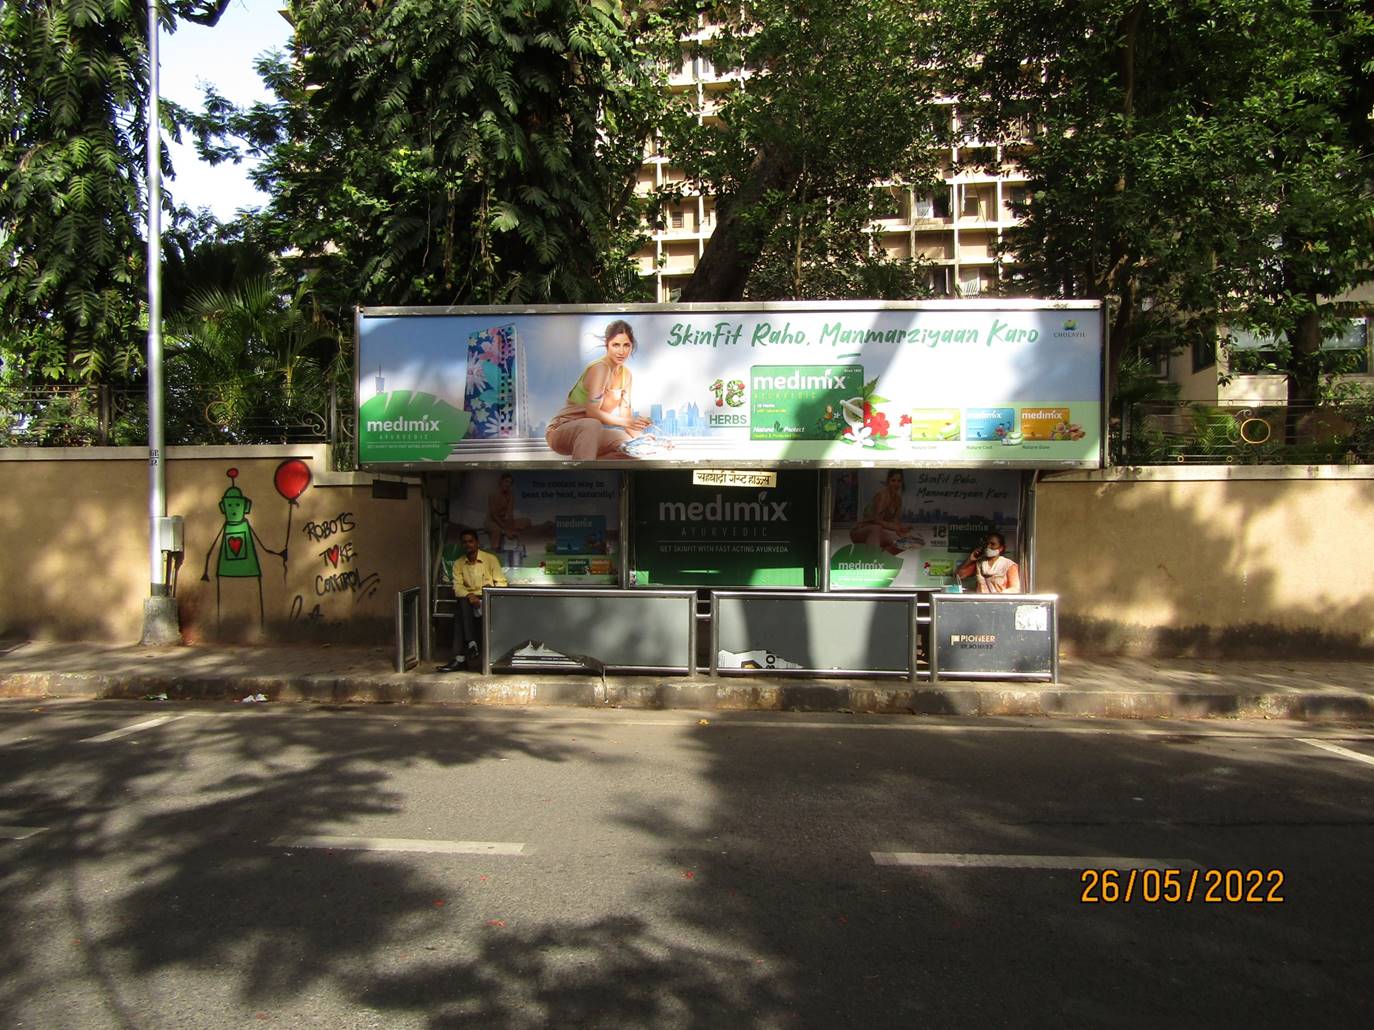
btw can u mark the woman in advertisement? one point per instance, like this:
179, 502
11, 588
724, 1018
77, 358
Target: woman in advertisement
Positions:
598, 419
501, 521
996, 573
882, 524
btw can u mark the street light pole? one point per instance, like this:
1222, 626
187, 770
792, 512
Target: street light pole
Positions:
160, 622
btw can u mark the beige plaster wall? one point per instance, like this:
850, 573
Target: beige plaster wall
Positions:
75, 562
1213, 561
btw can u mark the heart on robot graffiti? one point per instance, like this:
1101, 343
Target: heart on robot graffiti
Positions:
236, 544
333, 555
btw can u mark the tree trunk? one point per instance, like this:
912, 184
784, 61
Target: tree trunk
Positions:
735, 246
1304, 370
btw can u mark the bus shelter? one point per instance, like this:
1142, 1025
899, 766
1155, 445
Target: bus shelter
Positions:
804, 479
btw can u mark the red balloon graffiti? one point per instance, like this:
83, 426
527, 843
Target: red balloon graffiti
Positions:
292, 478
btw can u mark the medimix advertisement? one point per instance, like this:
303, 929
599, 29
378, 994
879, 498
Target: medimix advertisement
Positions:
912, 528
938, 384
690, 535
547, 528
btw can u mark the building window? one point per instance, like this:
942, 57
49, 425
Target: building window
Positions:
970, 282
887, 204
1348, 353
971, 207
923, 208
675, 218
1252, 355
1204, 355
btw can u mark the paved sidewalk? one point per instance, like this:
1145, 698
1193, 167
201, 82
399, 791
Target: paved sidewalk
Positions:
1106, 688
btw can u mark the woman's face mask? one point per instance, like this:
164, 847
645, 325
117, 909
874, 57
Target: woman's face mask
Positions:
992, 552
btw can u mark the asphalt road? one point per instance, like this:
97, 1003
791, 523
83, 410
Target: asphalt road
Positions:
250, 865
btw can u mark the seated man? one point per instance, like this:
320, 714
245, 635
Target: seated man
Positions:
473, 572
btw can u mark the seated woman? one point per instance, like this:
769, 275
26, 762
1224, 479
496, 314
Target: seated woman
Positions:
598, 419
996, 573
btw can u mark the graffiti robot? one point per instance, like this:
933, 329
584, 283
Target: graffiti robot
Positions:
238, 543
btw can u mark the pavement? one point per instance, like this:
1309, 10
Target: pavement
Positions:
1116, 688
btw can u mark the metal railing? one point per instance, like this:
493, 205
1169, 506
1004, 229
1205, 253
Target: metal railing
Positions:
1259, 432
86, 416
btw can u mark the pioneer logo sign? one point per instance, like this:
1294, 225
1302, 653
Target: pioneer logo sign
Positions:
974, 640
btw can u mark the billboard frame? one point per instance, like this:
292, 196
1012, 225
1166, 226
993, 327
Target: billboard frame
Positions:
998, 304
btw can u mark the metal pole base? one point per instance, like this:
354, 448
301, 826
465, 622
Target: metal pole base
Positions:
161, 626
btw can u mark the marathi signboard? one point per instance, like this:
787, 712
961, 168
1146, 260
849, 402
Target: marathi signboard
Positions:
949, 384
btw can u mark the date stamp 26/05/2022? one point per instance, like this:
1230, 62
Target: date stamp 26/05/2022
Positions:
1181, 886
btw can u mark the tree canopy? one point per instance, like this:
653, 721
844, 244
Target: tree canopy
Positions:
425, 152
74, 78
1194, 163
836, 98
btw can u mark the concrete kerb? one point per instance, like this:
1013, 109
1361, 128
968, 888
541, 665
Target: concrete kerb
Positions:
697, 693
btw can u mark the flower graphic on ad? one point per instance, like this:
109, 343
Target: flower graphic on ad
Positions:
866, 424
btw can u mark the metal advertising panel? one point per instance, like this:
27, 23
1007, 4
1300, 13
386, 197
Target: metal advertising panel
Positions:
1013, 384
994, 636
688, 534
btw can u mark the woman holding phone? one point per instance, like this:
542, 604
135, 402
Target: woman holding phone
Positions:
996, 573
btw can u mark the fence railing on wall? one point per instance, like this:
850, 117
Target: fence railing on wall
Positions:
89, 416
1255, 432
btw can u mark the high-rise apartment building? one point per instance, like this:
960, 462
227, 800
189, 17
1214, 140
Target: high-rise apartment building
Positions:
956, 227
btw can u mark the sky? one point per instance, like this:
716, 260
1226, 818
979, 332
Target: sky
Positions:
224, 56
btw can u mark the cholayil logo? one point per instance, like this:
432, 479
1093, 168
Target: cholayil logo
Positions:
1070, 329
1070, 324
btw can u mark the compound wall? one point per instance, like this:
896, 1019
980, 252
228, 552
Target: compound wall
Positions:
321, 557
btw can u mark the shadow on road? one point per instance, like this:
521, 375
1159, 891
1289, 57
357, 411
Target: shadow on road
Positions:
770, 911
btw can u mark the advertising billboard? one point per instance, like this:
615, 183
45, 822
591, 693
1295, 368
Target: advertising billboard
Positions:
948, 384
546, 527
690, 534
911, 529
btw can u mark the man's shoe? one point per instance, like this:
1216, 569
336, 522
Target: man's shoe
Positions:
455, 664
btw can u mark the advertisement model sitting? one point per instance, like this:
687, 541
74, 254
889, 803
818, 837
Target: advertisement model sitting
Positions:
598, 420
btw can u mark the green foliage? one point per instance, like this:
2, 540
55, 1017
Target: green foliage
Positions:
426, 152
73, 75
824, 251
249, 362
1194, 161
836, 99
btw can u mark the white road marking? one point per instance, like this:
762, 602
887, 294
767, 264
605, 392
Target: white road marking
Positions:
979, 861
1336, 749
147, 724
429, 847
18, 832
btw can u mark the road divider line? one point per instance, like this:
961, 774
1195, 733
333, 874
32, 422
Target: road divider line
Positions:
430, 847
1336, 749
19, 832
954, 860
137, 727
